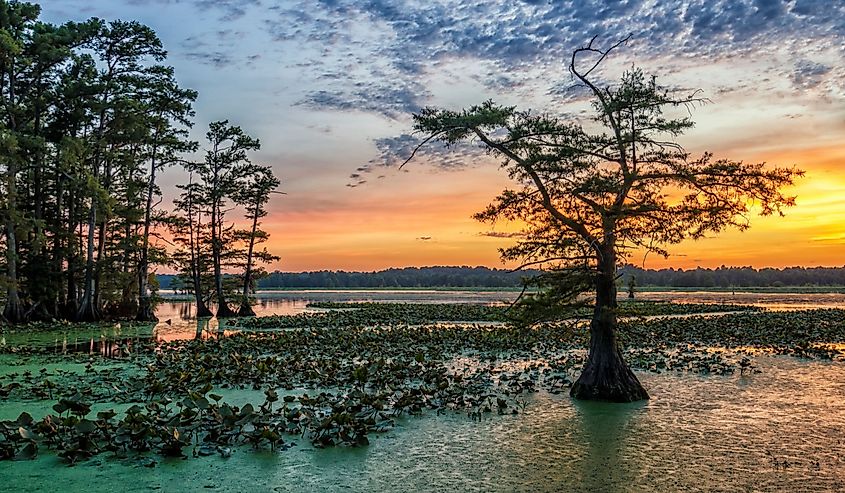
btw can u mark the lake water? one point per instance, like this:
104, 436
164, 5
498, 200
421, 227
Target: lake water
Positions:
177, 317
770, 301
183, 324
780, 430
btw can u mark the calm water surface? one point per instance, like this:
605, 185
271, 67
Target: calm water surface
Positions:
779, 430
183, 325
177, 317
770, 301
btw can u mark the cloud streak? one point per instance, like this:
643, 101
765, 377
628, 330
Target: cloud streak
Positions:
515, 37
393, 151
378, 56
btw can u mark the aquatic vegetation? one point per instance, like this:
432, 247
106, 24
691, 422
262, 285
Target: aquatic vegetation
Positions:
801, 333
335, 385
95, 379
367, 314
342, 314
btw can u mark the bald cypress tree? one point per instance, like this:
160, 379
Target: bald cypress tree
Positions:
218, 178
169, 111
253, 194
33, 55
89, 118
123, 48
589, 197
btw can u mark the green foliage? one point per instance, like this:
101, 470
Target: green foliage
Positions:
92, 115
210, 247
556, 294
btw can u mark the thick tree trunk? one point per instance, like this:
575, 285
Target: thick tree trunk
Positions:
98, 265
223, 310
245, 310
146, 313
13, 311
57, 252
44, 293
87, 311
606, 376
101, 242
71, 305
202, 308
145, 306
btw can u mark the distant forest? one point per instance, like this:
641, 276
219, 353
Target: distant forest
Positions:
425, 277
408, 277
736, 276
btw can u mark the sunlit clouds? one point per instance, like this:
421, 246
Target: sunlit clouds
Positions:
328, 87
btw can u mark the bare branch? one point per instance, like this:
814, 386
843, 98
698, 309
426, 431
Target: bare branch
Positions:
420, 145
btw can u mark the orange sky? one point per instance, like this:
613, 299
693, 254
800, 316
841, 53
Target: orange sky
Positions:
379, 228
322, 84
422, 215
380, 224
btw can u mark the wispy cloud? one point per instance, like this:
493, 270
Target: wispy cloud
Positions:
501, 234
393, 151
378, 56
516, 37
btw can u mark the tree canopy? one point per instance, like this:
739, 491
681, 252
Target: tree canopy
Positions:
592, 192
90, 116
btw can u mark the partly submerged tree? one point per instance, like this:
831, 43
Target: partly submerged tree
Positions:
32, 55
192, 235
590, 194
253, 195
221, 175
169, 116
89, 117
125, 49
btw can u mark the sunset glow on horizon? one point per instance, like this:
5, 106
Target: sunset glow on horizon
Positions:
329, 87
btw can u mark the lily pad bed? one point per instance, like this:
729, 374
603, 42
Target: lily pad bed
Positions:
816, 333
108, 339
343, 314
336, 386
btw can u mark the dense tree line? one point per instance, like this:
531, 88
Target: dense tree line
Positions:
726, 277
408, 277
443, 276
90, 117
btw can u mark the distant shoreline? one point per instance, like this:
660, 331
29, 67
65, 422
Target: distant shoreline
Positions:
170, 296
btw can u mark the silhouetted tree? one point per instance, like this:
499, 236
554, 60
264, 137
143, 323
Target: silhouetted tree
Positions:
253, 194
168, 111
32, 57
588, 198
89, 118
219, 177
123, 48
194, 238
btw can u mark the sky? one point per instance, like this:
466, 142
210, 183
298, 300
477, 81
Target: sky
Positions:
329, 86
